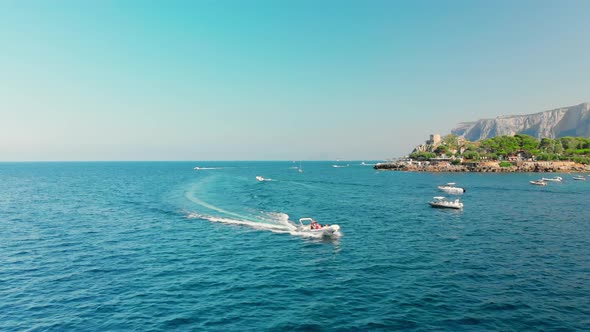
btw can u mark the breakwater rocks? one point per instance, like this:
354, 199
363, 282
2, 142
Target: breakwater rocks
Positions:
486, 167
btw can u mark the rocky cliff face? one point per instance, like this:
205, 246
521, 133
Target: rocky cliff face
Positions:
567, 121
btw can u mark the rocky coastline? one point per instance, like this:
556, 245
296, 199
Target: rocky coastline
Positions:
487, 167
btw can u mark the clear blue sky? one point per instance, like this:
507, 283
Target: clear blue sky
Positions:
278, 80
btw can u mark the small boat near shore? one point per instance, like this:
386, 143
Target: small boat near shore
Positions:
538, 183
555, 179
579, 177
451, 189
442, 202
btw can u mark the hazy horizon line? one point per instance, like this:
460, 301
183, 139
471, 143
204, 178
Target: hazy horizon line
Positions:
196, 160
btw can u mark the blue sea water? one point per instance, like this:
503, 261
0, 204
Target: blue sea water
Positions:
158, 246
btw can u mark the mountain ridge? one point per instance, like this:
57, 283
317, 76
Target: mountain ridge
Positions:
555, 123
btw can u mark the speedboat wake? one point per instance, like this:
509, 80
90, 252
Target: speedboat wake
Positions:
276, 223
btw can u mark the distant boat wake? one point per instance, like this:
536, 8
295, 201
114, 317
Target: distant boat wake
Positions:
261, 179
205, 168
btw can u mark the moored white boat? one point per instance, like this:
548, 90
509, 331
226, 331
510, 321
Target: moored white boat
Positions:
322, 231
442, 202
451, 189
555, 179
538, 183
579, 177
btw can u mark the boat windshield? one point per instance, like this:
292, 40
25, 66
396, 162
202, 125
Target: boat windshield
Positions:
304, 219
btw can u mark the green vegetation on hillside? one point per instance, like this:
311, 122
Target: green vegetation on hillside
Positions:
519, 146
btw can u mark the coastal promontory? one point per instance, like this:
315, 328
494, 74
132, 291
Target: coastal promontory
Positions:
517, 153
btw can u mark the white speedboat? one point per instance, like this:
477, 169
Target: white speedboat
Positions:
555, 179
260, 178
539, 183
451, 189
307, 225
579, 177
340, 166
442, 202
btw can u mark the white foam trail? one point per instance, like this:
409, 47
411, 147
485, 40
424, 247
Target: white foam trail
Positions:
205, 168
261, 179
190, 196
277, 228
279, 218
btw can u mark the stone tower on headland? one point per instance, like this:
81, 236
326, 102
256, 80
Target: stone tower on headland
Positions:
429, 145
434, 140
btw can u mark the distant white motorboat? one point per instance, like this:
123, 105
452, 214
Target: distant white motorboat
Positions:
442, 202
451, 189
316, 229
579, 177
555, 179
260, 178
539, 183
340, 166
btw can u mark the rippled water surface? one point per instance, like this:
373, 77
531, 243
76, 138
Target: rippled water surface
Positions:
160, 246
